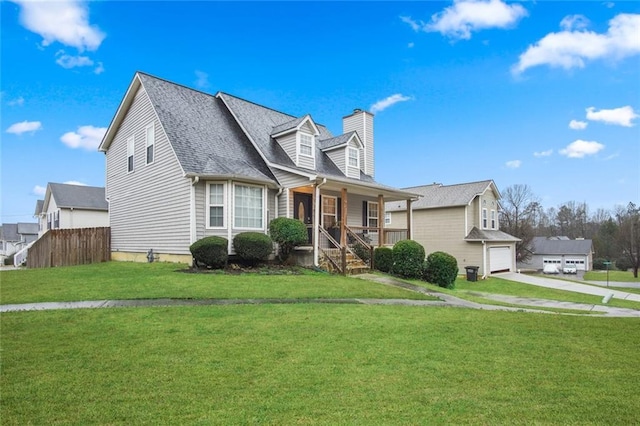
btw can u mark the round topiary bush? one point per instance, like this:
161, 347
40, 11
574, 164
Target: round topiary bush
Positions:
383, 259
211, 252
288, 233
441, 269
252, 247
623, 264
408, 257
598, 264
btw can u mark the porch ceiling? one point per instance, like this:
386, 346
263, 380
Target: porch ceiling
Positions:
368, 189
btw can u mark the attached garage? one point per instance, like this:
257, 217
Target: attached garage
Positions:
500, 259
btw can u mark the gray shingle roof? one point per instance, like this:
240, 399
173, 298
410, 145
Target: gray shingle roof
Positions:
25, 228
438, 195
288, 125
9, 232
39, 206
477, 234
333, 142
544, 245
78, 197
204, 136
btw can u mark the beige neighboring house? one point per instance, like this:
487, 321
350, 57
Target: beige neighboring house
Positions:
68, 206
461, 220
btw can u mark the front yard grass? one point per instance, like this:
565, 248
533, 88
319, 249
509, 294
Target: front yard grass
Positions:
316, 364
620, 276
128, 280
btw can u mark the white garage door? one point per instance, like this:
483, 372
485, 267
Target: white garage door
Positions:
499, 259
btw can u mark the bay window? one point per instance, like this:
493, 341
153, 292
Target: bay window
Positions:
248, 207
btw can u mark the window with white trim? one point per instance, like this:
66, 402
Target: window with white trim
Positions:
248, 207
329, 211
494, 223
215, 205
484, 218
372, 215
353, 157
130, 151
387, 218
306, 145
150, 136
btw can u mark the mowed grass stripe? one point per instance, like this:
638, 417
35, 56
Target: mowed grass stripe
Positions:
316, 364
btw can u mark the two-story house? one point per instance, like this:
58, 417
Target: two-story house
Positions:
182, 164
461, 220
67, 206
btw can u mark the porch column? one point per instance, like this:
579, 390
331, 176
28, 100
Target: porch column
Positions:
381, 235
409, 220
316, 223
343, 216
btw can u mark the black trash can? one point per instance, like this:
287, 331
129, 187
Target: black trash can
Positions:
472, 273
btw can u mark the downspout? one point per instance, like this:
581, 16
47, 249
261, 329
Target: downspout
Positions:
316, 220
275, 214
192, 210
484, 259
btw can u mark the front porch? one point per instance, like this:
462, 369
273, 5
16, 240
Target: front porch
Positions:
345, 222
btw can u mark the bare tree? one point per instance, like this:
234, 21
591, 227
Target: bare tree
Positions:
629, 234
520, 208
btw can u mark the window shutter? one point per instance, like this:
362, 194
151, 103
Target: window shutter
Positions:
339, 207
365, 213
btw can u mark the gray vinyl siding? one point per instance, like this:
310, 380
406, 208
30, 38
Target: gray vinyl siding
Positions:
288, 143
339, 158
288, 180
364, 127
473, 215
352, 172
149, 208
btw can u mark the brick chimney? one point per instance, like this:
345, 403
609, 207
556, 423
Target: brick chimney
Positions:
362, 122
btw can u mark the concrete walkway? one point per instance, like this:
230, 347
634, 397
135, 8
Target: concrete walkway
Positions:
567, 286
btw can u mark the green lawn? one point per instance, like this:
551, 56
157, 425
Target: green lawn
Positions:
128, 280
620, 276
316, 364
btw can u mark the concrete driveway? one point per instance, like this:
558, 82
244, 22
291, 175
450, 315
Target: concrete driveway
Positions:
567, 285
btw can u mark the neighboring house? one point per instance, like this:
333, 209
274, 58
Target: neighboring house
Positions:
71, 207
461, 220
560, 251
183, 164
15, 236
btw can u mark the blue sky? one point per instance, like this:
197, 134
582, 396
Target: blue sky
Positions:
539, 93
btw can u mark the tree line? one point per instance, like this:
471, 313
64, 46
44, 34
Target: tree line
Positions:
615, 233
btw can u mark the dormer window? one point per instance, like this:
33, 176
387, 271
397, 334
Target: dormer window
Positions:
353, 159
306, 145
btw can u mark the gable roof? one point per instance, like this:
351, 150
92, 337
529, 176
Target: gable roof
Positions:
339, 141
39, 206
438, 195
14, 231
477, 234
294, 125
544, 245
76, 196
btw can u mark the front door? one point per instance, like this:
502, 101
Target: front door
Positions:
302, 211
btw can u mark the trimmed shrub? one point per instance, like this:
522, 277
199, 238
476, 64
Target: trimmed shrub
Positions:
598, 264
383, 259
623, 264
252, 247
211, 252
441, 269
408, 257
288, 233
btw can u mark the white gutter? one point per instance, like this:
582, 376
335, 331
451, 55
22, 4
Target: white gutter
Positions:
275, 214
316, 220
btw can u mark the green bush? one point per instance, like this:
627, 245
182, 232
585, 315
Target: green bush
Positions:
252, 247
623, 264
383, 259
598, 264
288, 233
408, 257
441, 269
362, 252
211, 252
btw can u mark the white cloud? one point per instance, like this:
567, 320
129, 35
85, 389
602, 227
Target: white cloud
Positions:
385, 103
39, 190
87, 137
75, 182
570, 48
68, 61
202, 80
580, 148
466, 16
546, 153
16, 102
622, 116
99, 69
513, 164
63, 21
578, 125
574, 22
24, 127
410, 45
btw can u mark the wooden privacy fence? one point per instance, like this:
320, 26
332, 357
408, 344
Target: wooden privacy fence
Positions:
67, 247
